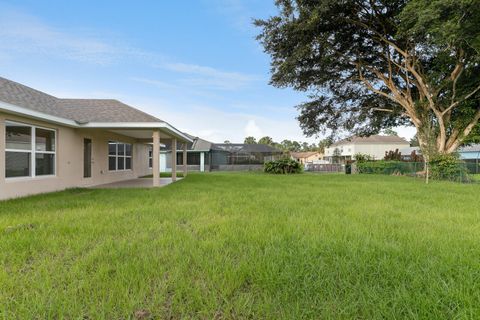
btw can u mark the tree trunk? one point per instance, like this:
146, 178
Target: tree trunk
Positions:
429, 146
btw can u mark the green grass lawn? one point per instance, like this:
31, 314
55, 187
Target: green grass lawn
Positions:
233, 246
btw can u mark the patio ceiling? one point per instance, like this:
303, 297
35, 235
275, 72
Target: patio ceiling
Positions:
144, 134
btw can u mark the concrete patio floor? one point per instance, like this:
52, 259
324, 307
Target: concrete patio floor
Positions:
134, 183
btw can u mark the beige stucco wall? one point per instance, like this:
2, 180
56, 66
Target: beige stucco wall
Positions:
69, 161
377, 151
314, 157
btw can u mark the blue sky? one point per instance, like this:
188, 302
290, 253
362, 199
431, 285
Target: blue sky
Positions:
195, 64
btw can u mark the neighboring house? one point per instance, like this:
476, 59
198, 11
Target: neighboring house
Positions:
306, 157
406, 153
375, 146
198, 155
203, 155
50, 144
471, 155
471, 152
240, 156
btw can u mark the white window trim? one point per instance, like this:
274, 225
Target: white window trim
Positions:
116, 156
32, 151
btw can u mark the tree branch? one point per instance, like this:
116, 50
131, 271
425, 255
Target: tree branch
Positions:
456, 103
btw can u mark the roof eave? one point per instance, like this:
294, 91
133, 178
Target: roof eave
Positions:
28, 113
25, 112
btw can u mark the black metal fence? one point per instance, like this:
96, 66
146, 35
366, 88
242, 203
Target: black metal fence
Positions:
462, 172
325, 168
221, 160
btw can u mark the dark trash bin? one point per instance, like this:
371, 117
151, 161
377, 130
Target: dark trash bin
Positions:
348, 168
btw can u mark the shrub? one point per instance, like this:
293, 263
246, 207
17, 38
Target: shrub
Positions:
283, 166
389, 167
393, 155
414, 157
448, 167
362, 157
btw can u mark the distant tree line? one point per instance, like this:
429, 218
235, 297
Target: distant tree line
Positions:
290, 145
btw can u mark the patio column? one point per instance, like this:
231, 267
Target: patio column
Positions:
202, 161
184, 159
174, 159
156, 158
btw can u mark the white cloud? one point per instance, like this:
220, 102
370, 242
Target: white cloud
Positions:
209, 77
239, 16
20, 32
217, 125
406, 132
252, 129
25, 35
155, 83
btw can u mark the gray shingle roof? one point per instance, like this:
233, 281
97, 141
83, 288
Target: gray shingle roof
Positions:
375, 139
199, 144
80, 110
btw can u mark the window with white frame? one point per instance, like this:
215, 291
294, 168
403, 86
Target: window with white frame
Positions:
29, 150
119, 156
150, 157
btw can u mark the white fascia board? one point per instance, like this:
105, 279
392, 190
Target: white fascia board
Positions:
21, 111
123, 125
10, 108
138, 125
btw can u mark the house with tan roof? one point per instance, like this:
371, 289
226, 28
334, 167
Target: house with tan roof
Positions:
50, 144
375, 146
307, 157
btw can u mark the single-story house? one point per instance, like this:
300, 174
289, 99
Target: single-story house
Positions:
468, 154
50, 144
375, 146
203, 155
471, 155
471, 152
198, 155
406, 153
241, 156
306, 157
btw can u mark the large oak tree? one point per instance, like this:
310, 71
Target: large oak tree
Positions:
374, 64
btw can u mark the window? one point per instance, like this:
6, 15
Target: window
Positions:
29, 150
119, 156
150, 157
193, 158
87, 158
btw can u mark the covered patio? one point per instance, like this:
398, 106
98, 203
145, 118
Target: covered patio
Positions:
152, 134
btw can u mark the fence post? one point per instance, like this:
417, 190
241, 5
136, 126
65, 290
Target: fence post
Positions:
427, 173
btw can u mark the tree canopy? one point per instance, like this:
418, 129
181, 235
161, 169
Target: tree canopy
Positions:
265, 140
250, 140
374, 64
290, 145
